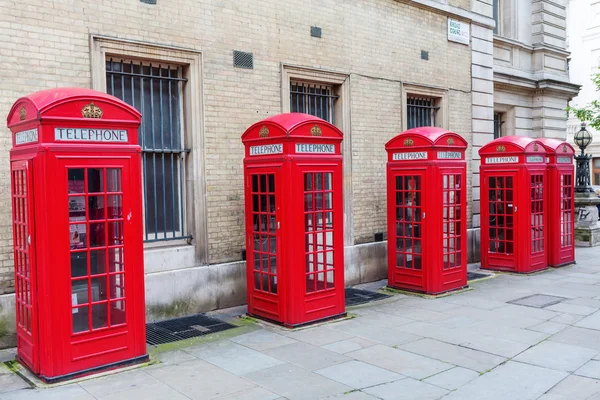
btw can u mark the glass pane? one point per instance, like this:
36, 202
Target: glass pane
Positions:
328, 181
117, 312
78, 264
95, 180
97, 234
308, 182
113, 179
79, 292
263, 183
115, 206
115, 233
115, 260
96, 207
99, 315
255, 183
80, 319
99, 289
117, 286
271, 183
76, 183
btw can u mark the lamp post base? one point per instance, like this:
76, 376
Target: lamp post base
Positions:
587, 228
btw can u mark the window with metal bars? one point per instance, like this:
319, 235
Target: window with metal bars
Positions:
156, 91
498, 122
421, 111
314, 99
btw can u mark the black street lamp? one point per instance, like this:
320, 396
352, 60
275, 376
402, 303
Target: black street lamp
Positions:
582, 139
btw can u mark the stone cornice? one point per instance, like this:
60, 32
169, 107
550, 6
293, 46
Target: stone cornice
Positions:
543, 86
452, 11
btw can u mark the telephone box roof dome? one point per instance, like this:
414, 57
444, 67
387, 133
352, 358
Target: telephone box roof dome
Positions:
431, 136
287, 123
518, 143
557, 146
45, 100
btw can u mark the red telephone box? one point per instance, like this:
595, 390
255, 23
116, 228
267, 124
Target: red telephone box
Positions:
294, 219
77, 227
426, 200
513, 205
561, 207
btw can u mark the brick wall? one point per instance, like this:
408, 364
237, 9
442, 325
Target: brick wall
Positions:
377, 43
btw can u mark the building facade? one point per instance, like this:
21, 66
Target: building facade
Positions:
584, 46
202, 71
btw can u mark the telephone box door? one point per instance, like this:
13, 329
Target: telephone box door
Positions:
500, 217
409, 193
567, 211
100, 279
25, 265
321, 263
538, 221
263, 272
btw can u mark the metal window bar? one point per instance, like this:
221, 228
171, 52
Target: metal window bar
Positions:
155, 90
314, 99
421, 111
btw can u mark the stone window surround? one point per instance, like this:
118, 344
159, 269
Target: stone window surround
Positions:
440, 95
341, 85
103, 47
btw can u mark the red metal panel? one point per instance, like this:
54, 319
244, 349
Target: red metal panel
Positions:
426, 181
25, 263
302, 153
561, 207
86, 214
513, 205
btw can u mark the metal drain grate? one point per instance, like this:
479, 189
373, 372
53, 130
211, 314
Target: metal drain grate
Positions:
538, 300
475, 275
358, 296
173, 330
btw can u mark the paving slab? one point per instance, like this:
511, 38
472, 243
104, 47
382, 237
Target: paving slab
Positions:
256, 393
453, 378
557, 356
591, 369
548, 327
572, 309
346, 346
174, 357
67, 392
453, 354
105, 385
199, 380
590, 322
519, 335
436, 331
319, 336
354, 395
307, 356
262, 340
10, 381
293, 382
406, 389
512, 380
568, 319
574, 388
388, 336
400, 361
233, 357
495, 345
358, 375
588, 338
155, 390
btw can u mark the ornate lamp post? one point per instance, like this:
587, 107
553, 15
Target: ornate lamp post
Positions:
587, 229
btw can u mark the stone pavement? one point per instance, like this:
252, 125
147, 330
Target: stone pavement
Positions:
470, 345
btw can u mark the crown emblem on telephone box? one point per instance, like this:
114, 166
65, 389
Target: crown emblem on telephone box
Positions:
91, 111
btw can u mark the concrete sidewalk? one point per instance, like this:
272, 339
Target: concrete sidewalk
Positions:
470, 345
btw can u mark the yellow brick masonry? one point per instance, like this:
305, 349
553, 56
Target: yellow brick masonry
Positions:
377, 43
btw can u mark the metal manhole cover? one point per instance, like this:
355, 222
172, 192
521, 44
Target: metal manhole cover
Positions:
538, 300
358, 296
475, 275
173, 330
